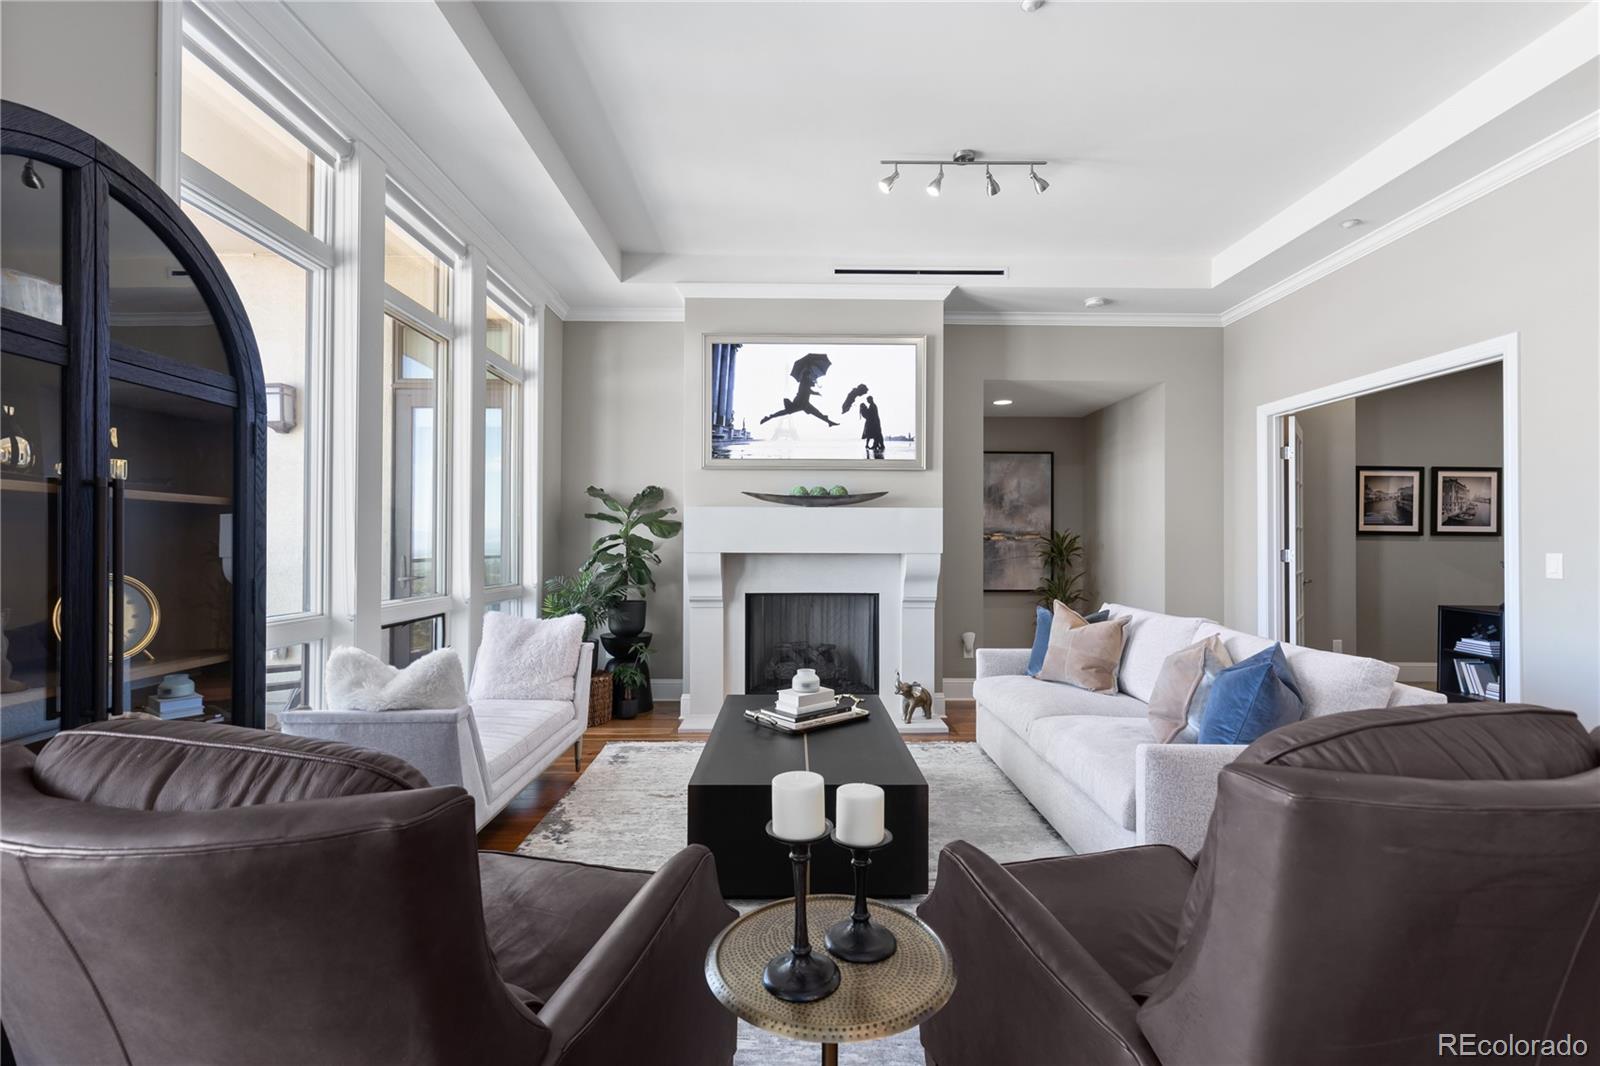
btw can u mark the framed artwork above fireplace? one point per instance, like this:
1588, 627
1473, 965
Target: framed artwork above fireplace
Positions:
814, 402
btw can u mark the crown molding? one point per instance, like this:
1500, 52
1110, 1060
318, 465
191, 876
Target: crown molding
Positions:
624, 314
931, 292
1552, 148
1082, 318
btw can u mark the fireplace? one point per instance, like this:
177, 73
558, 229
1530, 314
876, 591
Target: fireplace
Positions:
833, 633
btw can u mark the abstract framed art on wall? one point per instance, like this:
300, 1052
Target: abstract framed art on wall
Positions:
1389, 500
1018, 516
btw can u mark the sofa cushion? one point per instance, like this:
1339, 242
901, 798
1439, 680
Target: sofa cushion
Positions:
1085, 656
527, 658
1044, 621
1020, 701
1330, 682
1178, 704
1097, 756
511, 730
1252, 698
1241, 646
1150, 638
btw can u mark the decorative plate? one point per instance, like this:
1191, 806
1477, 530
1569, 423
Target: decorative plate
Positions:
816, 501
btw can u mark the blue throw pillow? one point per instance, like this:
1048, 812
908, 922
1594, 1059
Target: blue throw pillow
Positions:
1041, 640
1251, 698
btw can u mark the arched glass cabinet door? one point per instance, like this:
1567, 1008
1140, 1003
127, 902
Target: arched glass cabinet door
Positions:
133, 494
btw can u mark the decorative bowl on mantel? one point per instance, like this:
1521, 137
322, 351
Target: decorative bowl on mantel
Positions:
797, 500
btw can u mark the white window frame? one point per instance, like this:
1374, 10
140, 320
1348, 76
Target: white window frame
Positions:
520, 374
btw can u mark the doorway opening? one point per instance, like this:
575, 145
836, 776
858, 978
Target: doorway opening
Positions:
1387, 520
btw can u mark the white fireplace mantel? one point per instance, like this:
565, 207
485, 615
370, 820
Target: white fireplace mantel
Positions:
731, 551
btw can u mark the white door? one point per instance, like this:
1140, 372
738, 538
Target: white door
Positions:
1294, 532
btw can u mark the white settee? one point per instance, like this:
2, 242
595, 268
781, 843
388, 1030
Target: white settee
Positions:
491, 748
1089, 761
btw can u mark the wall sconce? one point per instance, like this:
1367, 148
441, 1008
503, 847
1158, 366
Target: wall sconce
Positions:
282, 404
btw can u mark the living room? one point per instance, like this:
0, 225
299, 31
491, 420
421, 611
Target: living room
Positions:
699, 532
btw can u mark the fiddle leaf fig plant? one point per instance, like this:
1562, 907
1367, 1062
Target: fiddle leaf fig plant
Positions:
1063, 578
622, 558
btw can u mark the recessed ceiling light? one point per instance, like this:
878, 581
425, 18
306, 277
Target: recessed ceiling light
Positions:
1001, 403
1096, 301
1350, 223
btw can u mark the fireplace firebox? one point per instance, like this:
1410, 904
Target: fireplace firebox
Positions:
833, 633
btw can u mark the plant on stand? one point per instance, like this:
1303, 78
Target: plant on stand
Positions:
632, 680
584, 594
621, 560
1063, 578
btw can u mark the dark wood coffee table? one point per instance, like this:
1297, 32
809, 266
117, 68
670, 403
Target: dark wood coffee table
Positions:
730, 802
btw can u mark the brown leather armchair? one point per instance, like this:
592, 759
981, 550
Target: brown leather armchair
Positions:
1374, 885
177, 892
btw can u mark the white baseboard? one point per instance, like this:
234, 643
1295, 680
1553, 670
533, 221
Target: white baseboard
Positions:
1411, 673
958, 688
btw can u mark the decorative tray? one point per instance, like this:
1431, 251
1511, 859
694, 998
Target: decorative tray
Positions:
817, 501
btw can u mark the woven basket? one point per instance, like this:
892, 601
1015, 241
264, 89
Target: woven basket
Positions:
600, 698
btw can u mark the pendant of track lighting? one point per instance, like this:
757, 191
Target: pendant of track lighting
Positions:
887, 182
991, 186
30, 176
1039, 184
937, 184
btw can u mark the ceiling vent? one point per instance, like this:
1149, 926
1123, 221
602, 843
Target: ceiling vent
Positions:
918, 272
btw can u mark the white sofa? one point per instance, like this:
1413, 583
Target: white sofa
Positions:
491, 748
1089, 761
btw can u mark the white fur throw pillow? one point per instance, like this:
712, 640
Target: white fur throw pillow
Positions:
527, 658
358, 681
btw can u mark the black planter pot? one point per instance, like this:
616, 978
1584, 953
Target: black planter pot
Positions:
627, 618
627, 706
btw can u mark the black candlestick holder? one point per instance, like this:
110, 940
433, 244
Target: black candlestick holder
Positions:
798, 976
856, 939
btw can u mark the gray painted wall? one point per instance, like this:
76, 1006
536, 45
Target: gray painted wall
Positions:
1520, 260
1125, 499
1450, 421
1187, 361
622, 394
1008, 616
108, 85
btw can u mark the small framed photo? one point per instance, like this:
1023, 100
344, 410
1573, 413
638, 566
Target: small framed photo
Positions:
1389, 500
1466, 501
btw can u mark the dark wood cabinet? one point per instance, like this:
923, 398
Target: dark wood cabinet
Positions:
132, 448
1471, 653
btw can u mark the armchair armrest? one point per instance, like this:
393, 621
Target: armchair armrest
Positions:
443, 744
994, 662
1175, 787
1411, 695
1026, 990
649, 964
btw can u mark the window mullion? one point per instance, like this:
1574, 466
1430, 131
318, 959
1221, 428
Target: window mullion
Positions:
218, 196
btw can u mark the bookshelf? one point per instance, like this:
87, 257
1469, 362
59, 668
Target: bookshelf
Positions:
1471, 655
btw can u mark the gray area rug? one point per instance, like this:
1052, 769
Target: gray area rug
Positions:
630, 809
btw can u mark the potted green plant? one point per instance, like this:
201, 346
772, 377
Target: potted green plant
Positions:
585, 594
622, 559
1063, 579
631, 680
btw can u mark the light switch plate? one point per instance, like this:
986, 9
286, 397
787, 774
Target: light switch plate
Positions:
1554, 565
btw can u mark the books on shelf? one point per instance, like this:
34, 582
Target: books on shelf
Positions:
1479, 646
1477, 679
175, 706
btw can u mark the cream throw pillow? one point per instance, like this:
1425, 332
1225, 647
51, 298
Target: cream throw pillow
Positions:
1179, 696
1084, 656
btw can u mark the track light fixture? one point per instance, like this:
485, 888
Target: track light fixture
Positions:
965, 158
30, 176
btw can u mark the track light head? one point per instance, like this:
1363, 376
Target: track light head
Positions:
30, 176
936, 186
1032, 5
886, 183
989, 184
1039, 184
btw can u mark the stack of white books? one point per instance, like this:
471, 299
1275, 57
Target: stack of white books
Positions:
798, 705
810, 715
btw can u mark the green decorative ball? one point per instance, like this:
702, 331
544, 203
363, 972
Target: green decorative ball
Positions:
799, 490
819, 491
839, 490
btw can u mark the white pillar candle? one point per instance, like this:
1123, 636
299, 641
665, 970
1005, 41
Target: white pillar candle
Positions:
798, 810
859, 810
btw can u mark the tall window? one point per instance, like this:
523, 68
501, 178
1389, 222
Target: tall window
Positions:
502, 450
260, 196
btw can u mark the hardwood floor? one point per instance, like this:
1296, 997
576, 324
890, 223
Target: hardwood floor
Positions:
523, 814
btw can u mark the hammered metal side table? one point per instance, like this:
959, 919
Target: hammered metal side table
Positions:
874, 1000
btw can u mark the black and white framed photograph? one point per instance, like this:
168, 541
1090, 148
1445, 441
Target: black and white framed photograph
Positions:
819, 403
1018, 514
1389, 500
1466, 501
